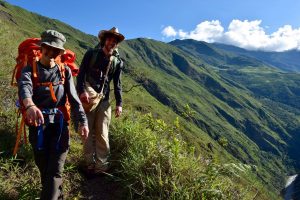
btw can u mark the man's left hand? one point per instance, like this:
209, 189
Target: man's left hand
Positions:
118, 111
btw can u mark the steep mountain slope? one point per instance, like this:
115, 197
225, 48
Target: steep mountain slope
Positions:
277, 91
286, 61
223, 108
18, 24
261, 77
221, 116
215, 56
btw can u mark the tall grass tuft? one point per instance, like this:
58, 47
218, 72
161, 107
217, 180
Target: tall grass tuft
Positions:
155, 163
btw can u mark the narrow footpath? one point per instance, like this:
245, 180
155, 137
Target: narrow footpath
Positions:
102, 188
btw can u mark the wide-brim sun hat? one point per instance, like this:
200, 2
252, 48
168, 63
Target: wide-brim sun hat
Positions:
112, 32
53, 39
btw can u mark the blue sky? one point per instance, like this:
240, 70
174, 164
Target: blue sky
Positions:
271, 25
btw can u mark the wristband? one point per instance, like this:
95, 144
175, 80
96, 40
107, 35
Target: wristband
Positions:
29, 107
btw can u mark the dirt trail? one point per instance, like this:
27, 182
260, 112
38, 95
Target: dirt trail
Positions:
103, 188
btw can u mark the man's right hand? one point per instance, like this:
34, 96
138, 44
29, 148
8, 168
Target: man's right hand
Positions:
84, 132
34, 116
84, 97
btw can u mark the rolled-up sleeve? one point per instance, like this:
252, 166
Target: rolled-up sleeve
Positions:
25, 84
73, 98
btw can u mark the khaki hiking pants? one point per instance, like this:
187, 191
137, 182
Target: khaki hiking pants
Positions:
96, 148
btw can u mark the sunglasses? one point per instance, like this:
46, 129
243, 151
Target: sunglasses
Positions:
54, 50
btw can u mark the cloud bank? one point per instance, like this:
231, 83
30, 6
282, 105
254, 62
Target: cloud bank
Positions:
245, 34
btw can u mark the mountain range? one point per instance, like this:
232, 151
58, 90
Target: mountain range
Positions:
234, 104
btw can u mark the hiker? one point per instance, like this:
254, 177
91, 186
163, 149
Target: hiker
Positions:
99, 66
44, 101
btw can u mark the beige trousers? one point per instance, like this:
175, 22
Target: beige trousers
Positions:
96, 147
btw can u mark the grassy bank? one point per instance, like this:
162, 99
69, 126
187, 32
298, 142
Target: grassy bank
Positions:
149, 161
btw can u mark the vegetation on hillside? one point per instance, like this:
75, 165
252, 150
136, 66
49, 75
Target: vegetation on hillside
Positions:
210, 134
149, 161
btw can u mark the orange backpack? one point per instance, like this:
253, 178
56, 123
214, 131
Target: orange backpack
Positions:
28, 54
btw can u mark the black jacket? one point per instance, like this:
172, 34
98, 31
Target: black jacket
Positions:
92, 70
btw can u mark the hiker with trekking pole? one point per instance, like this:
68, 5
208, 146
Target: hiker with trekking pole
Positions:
99, 66
45, 87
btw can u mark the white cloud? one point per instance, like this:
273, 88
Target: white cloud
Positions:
246, 34
208, 31
169, 31
285, 38
182, 34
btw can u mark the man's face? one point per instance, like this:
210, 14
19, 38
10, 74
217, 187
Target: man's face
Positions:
110, 44
49, 54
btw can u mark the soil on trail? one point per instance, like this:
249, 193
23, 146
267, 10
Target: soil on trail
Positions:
103, 188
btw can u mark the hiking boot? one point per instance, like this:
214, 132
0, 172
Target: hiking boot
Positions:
102, 165
103, 169
88, 171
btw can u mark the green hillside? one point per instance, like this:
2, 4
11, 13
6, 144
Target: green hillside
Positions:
223, 108
286, 61
219, 101
277, 91
217, 57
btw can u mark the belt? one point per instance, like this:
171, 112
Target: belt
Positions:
40, 134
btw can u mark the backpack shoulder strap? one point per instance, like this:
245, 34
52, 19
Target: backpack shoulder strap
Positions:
36, 82
35, 78
62, 70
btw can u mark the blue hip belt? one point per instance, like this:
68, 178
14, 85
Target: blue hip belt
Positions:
40, 133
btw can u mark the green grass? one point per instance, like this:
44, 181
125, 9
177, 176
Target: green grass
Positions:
157, 164
220, 114
149, 160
